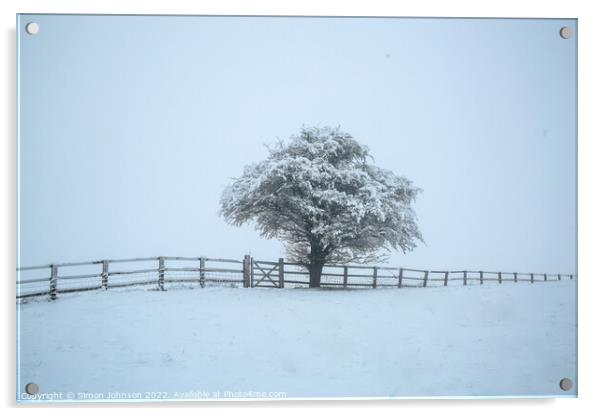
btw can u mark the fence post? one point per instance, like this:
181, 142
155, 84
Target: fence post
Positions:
246, 275
105, 274
161, 273
399, 284
345, 276
481, 277
445, 279
202, 272
571, 276
54, 277
545, 277
426, 276
531, 277
374, 277
499, 277
281, 273
515, 278
465, 278
251, 273
558, 276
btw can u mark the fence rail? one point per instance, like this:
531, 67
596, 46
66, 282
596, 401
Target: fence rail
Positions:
53, 279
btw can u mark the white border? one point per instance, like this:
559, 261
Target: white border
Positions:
590, 158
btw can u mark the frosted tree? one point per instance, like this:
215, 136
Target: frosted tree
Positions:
322, 197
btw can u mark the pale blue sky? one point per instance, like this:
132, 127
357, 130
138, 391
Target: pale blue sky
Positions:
130, 127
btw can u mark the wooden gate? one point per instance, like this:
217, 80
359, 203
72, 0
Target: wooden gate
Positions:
267, 273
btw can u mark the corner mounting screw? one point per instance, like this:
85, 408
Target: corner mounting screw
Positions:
32, 28
566, 384
31, 389
566, 32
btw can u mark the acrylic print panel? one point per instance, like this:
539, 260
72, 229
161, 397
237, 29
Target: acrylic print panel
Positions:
294, 207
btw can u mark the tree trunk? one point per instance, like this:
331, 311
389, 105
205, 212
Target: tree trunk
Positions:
315, 273
316, 263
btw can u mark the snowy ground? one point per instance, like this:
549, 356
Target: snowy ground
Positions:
513, 339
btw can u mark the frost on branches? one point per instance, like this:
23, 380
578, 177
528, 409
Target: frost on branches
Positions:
320, 195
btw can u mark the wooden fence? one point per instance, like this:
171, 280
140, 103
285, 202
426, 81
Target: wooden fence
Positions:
162, 272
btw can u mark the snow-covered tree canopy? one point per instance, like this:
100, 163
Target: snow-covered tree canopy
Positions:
321, 196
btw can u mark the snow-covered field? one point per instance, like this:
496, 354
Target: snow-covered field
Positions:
513, 339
